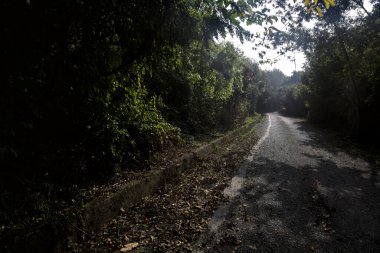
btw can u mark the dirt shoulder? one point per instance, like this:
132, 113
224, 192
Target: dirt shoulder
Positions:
172, 219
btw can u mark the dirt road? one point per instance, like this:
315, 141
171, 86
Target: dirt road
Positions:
298, 193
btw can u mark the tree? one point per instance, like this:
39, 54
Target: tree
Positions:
332, 56
89, 87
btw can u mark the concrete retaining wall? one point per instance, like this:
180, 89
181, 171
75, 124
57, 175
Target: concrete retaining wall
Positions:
102, 210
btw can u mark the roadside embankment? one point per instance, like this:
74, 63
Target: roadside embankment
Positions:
172, 217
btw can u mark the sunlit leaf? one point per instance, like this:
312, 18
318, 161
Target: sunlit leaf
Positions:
319, 11
327, 4
129, 247
332, 2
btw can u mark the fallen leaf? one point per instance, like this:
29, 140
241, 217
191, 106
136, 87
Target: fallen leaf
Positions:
129, 246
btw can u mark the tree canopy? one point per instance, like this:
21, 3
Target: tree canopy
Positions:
90, 88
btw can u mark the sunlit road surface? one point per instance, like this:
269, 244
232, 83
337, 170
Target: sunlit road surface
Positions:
298, 193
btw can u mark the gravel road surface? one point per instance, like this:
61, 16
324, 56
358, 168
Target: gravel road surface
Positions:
298, 193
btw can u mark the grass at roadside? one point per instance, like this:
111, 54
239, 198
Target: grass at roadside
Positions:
256, 118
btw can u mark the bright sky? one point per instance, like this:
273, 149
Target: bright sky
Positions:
283, 63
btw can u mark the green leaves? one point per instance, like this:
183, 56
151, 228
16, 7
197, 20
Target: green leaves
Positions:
342, 78
99, 81
316, 5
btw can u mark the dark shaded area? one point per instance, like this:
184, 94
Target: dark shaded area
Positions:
342, 77
344, 220
333, 141
91, 89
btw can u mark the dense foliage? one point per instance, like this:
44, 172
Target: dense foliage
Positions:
341, 81
269, 99
90, 87
283, 93
343, 76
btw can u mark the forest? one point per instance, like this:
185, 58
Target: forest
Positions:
340, 83
92, 88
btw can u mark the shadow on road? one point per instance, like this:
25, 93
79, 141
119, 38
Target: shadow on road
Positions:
321, 208
323, 200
